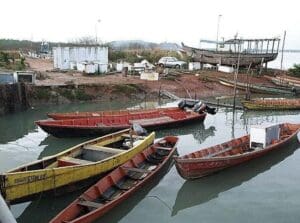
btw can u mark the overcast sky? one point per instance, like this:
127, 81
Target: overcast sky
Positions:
156, 20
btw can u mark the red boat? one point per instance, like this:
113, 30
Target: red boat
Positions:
210, 160
74, 115
96, 126
121, 183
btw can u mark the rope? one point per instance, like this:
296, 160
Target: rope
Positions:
163, 202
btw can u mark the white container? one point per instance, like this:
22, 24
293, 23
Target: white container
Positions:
119, 67
150, 76
103, 68
73, 65
194, 66
91, 68
81, 66
262, 136
225, 69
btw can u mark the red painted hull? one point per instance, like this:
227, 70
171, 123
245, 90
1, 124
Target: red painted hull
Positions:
191, 167
164, 118
74, 115
74, 212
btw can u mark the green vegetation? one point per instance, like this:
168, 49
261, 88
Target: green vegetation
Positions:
134, 56
42, 94
125, 88
12, 60
295, 71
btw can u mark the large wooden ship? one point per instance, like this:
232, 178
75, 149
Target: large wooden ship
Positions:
248, 52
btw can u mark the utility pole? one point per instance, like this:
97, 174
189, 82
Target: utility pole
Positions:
236, 74
96, 30
282, 49
218, 26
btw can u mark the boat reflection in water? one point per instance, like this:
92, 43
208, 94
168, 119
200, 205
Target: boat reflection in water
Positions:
193, 193
198, 130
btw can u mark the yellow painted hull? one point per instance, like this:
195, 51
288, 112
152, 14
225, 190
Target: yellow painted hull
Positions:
252, 105
16, 185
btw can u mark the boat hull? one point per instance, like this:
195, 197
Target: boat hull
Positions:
255, 88
194, 168
74, 115
81, 131
227, 58
279, 104
22, 184
73, 211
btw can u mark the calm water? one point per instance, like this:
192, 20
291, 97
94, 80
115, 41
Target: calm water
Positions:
264, 190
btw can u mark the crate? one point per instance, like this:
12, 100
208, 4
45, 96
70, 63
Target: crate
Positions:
262, 136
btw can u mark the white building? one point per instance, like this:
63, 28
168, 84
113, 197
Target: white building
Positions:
65, 57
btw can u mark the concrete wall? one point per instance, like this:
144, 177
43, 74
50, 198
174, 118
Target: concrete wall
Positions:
62, 56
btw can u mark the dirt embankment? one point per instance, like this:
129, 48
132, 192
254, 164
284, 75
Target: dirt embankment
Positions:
61, 87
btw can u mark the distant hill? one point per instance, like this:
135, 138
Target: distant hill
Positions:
140, 44
26, 45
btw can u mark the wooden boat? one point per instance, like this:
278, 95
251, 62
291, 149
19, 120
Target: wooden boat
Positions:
74, 115
210, 160
285, 82
118, 185
256, 88
272, 104
72, 168
231, 56
106, 124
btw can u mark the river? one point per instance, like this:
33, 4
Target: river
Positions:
263, 190
289, 59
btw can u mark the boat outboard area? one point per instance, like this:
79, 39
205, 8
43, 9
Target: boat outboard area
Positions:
196, 106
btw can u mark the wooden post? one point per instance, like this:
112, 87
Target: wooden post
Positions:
281, 62
268, 46
273, 45
235, 76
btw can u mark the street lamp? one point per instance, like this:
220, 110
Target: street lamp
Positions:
217, 44
96, 30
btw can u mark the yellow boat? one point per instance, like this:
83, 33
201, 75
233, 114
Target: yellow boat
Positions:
272, 104
73, 168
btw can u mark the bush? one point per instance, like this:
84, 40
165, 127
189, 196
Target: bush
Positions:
295, 71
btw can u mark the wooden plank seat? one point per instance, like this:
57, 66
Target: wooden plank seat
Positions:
103, 149
138, 170
136, 173
163, 148
149, 121
133, 136
74, 161
218, 153
89, 204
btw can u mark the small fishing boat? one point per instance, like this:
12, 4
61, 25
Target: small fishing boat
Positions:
285, 82
94, 126
272, 104
72, 168
125, 112
256, 88
121, 183
262, 140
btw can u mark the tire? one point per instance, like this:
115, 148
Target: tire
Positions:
177, 66
161, 65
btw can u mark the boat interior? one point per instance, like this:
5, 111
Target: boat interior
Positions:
121, 120
112, 112
239, 145
86, 153
123, 178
